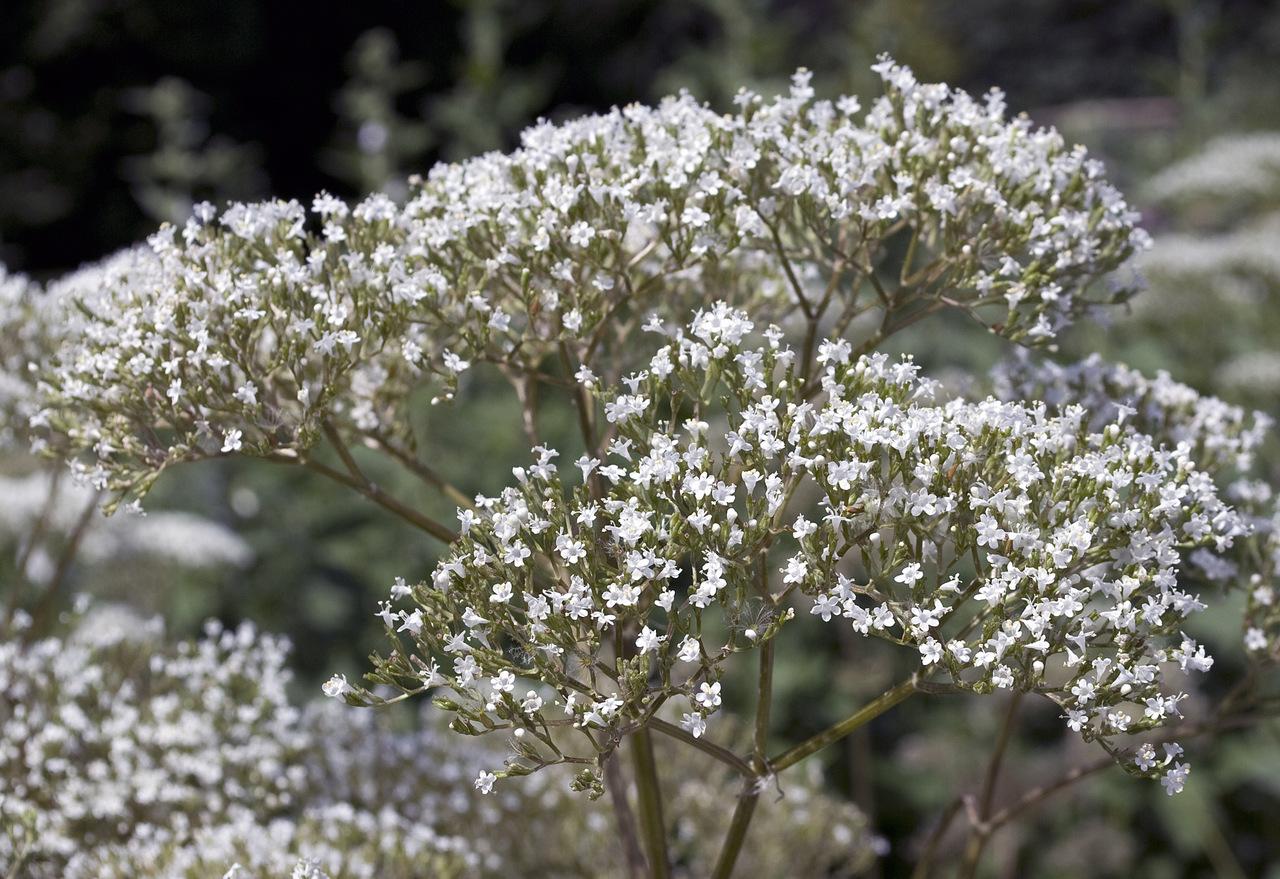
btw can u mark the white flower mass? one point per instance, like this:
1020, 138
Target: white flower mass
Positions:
712, 292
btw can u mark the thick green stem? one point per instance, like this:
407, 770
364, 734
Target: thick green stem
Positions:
737, 835
833, 734
649, 803
764, 703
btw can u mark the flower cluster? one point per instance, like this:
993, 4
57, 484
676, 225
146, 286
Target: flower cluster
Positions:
23, 343
246, 331
100, 732
1230, 169
183, 539
1223, 439
122, 756
1262, 609
1011, 545
1215, 252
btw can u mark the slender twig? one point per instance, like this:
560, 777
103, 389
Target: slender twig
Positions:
370, 490
41, 523
1034, 796
581, 402
796, 286
978, 840
65, 560
997, 755
527, 395
743, 812
419, 468
925, 863
21, 856
866, 714
905, 272
1038, 794
724, 755
32, 541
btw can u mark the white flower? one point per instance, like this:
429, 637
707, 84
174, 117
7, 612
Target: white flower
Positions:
695, 724
484, 782
231, 441
930, 652
690, 650
580, 234
826, 606
337, 687
795, 570
1175, 779
648, 640
909, 575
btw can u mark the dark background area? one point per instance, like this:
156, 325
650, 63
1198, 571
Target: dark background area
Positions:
265, 110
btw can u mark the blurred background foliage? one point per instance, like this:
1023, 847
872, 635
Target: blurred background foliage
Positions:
118, 114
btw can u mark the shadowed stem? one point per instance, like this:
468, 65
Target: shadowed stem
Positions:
47, 601
419, 468
616, 784
737, 830
41, 524
386, 501
355, 478
978, 840
649, 801
33, 540
724, 755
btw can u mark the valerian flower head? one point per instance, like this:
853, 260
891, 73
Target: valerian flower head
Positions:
1012, 545
245, 331
1222, 438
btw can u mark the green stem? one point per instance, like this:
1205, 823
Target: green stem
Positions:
419, 468
724, 755
833, 734
649, 803
737, 832
997, 756
746, 808
764, 702
371, 491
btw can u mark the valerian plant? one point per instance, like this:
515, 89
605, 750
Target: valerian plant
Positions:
710, 292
